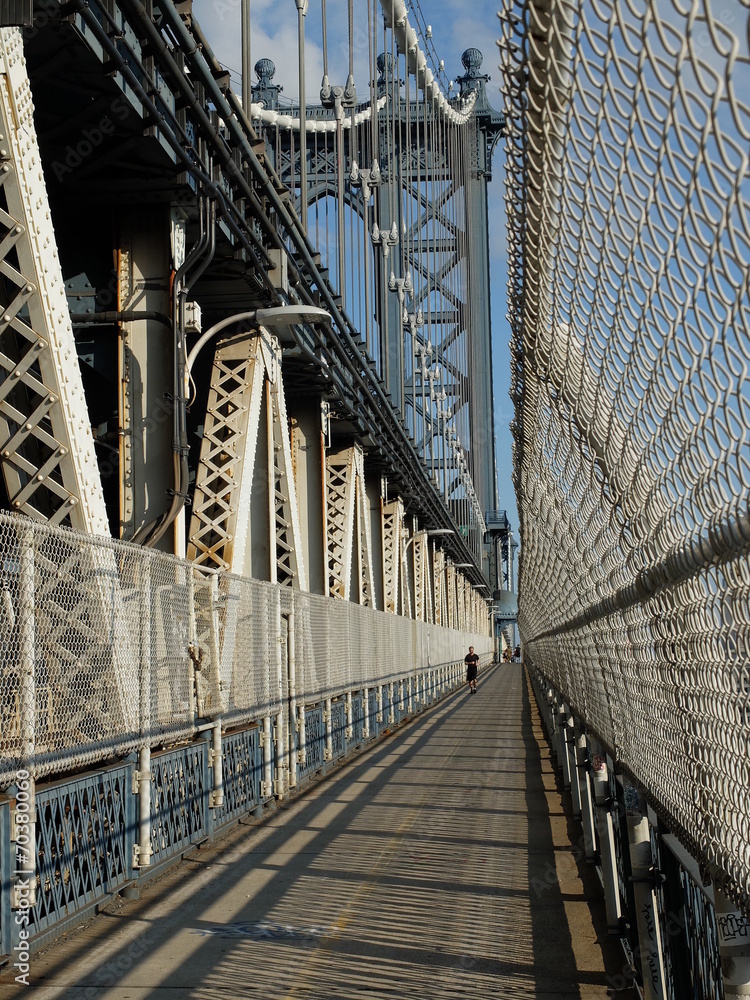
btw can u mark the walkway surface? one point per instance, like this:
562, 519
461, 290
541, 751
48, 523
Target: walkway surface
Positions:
437, 865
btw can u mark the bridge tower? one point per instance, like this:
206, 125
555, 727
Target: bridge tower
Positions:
417, 209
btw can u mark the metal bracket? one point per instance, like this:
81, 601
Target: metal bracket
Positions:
655, 878
138, 777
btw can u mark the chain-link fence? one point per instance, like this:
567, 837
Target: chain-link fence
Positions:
107, 646
628, 203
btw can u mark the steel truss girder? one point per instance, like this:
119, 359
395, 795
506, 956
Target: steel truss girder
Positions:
393, 521
423, 588
441, 611
348, 530
46, 446
245, 382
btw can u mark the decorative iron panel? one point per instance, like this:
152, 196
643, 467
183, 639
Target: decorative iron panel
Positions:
703, 937
358, 719
84, 839
338, 728
619, 828
372, 711
179, 799
242, 774
314, 742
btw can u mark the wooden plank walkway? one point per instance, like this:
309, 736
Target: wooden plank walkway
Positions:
436, 865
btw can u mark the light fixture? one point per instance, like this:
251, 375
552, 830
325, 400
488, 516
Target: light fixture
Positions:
276, 317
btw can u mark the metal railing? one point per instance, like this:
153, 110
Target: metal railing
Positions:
109, 647
656, 900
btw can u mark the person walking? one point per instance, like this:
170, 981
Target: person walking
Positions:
472, 662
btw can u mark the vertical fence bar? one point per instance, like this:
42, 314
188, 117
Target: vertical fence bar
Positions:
562, 750
217, 764
583, 766
607, 849
571, 781
328, 722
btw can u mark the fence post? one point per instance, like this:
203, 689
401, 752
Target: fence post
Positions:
282, 762
734, 946
583, 768
293, 723
646, 910
571, 778
562, 750
266, 788
142, 774
328, 722
551, 717
349, 717
366, 710
607, 850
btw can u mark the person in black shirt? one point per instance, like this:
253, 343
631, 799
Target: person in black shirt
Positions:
472, 661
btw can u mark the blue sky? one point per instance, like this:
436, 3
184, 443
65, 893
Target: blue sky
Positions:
456, 26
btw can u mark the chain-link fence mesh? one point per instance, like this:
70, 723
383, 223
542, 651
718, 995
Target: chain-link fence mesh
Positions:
108, 646
628, 209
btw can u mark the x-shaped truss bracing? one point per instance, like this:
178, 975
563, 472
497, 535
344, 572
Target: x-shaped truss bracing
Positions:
348, 532
246, 382
46, 445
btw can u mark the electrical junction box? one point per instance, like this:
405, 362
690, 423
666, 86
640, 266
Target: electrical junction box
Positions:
192, 317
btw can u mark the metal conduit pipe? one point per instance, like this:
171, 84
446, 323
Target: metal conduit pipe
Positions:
149, 534
180, 445
177, 138
228, 108
120, 316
